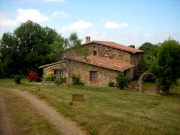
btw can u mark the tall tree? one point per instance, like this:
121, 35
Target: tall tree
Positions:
57, 49
9, 56
26, 48
167, 65
146, 46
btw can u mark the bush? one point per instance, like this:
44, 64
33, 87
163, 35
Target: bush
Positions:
17, 79
49, 76
76, 80
60, 80
32, 76
111, 84
121, 81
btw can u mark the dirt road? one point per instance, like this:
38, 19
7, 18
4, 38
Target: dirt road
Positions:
5, 124
66, 126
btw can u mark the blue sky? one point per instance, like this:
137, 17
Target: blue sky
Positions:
128, 22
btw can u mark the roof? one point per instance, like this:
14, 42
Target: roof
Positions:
116, 46
47, 65
105, 63
98, 61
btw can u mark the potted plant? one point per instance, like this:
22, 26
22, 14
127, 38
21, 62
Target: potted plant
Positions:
17, 79
32, 77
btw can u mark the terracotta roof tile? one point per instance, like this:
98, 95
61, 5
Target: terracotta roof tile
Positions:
117, 46
105, 63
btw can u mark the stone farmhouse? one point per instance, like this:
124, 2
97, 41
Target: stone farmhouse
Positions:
105, 61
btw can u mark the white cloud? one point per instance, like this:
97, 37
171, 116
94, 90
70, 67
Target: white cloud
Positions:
60, 14
148, 35
5, 21
79, 26
115, 25
30, 14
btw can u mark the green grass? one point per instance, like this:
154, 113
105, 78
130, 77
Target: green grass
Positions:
149, 86
24, 117
109, 111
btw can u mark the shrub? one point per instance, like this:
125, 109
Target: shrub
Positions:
76, 80
32, 76
111, 84
60, 80
17, 79
49, 76
121, 81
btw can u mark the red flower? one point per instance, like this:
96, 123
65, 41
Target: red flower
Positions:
32, 76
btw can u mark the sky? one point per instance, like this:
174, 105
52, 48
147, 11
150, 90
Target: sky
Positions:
127, 22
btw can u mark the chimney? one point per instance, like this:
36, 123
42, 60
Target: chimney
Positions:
88, 39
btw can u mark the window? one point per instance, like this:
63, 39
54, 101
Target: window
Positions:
93, 75
59, 73
94, 53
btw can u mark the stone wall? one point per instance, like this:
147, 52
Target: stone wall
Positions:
108, 52
52, 68
135, 59
112, 53
129, 73
103, 75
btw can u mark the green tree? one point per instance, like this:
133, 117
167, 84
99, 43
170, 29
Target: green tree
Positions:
9, 56
146, 46
132, 46
167, 65
57, 48
148, 58
26, 49
121, 80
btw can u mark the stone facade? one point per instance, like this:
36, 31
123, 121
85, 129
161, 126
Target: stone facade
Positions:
108, 52
104, 76
109, 59
116, 54
53, 67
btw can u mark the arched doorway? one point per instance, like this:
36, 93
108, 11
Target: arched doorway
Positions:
141, 81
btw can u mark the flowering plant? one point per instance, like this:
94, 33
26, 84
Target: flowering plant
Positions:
32, 76
60, 80
49, 76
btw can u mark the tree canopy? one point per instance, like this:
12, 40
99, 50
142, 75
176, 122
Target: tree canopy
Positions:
26, 49
167, 65
147, 60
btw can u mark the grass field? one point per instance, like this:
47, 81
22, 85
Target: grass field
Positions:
109, 111
25, 119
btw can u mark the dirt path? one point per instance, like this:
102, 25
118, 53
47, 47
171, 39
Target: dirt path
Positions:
66, 126
5, 124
